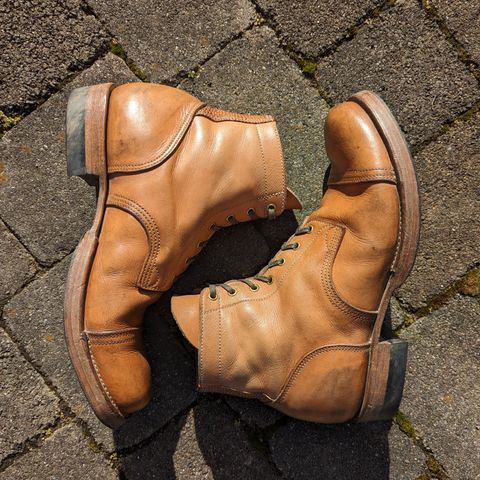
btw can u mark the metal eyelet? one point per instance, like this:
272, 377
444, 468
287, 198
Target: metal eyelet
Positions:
270, 281
201, 244
310, 228
212, 298
295, 245
255, 288
230, 219
189, 260
281, 261
251, 212
271, 211
234, 292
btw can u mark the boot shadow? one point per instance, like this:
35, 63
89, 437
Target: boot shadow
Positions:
183, 434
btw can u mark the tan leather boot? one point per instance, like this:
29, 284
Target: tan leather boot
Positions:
170, 172
304, 334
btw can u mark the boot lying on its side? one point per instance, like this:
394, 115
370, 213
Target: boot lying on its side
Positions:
170, 171
304, 334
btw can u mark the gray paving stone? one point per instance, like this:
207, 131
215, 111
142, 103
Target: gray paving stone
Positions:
65, 455
448, 171
234, 252
463, 20
42, 42
35, 316
396, 316
45, 208
442, 394
27, 405
18, 266
206, 443
404, 57
254, 412
253, 75
164, 38
312, 26
303, 451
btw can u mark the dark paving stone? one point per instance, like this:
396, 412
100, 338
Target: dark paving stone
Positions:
27, 405
448, 171
303, 451
442, 395
254, 412
235, 252
311, 26
253, 75
45, 208
65, 455
463, 20
396, 315
42, 42
35, 317
164, 38
206, 443
18, 266
404, 57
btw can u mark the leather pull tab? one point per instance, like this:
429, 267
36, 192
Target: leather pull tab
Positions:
292, 202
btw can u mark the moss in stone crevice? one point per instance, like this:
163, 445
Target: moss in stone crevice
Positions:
6, 122
117, 49
308, 67
436, 469
470, 283
405, 425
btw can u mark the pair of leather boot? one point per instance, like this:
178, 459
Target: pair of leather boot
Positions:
304, 334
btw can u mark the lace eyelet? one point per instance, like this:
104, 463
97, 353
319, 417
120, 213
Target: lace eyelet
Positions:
201, 244
271, 211
251, 212
213, 227
295, 246
230, 219
281, 261
255, 288
270, 281
212, 298
189, 260
310, 228
234, 292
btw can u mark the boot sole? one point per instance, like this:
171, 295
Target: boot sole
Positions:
86, 158
388, 357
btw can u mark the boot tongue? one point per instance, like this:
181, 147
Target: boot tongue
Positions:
186, 312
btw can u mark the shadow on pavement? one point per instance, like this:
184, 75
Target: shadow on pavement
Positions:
214, 438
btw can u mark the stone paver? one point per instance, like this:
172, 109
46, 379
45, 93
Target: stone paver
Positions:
463, 20
23, 395
403, 56
235, 252
442, 394
303, 451
207, 443
45, 208
65, 455
165, 38
448, 171
312, 26
254, 412
41, 43
35, 316
18, 266
240, 78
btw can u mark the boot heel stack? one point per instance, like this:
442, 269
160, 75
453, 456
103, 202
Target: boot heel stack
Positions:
384, 389
86, 132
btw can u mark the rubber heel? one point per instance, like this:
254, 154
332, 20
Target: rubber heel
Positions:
387, 377
86, 126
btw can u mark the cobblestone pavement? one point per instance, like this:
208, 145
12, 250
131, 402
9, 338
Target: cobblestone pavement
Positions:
293, 59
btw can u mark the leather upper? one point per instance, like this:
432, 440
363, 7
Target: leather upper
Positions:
177, 171
301, 343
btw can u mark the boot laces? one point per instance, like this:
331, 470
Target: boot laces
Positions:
261, 276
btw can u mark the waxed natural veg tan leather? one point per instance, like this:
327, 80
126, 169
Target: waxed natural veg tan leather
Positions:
301, 342
177, 171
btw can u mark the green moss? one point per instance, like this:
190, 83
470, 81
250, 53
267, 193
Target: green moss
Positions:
117, 49
405, 426
308, 67
470, 284
436, 469
191, 74
7, 122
